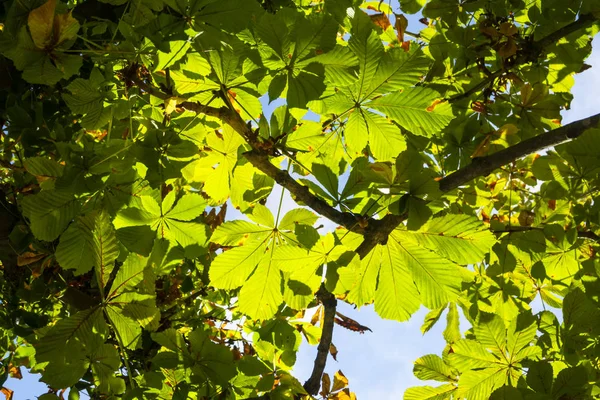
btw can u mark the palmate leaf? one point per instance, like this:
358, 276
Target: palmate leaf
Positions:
493, 360
257, 261
174, 223
311, 35
401, 275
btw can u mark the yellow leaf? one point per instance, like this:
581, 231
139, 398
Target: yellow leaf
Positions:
507, 129
49, 30
171, 104
345, 394
41, 23
483, 147
65, 28
28, 258
339, 381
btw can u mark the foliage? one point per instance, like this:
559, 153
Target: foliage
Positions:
130, 128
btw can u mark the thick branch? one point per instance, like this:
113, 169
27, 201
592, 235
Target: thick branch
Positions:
329, 305
482, 166
301, 193
531, 54
377, 232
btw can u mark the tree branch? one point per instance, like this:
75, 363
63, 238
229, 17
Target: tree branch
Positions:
483, 166
260, 158
261, 161
530, 54
329, 307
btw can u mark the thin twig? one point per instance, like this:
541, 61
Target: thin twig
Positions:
530, 55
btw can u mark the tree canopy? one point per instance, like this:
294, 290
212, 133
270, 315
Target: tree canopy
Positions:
131, 129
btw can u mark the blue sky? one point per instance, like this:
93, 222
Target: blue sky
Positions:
378, 364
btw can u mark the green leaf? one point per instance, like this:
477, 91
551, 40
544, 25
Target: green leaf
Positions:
212, 360
452, 331
432, 367
236, 232
540, 376
443, 392
85, 330
385, 139
459, 238
295, 217
76, 244
468, 354
105, 248
396, 297
479, 385
41, 166
438, 280
216, 169
230, 269
49, 213
105, 361
416, 110
261, 295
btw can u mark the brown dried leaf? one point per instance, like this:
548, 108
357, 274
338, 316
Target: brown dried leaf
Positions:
508, 29
28, 258
15, 372
508, 49
400, 25
350, 324
316, 316
381, 20
7, 393
333, 351
325, 385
